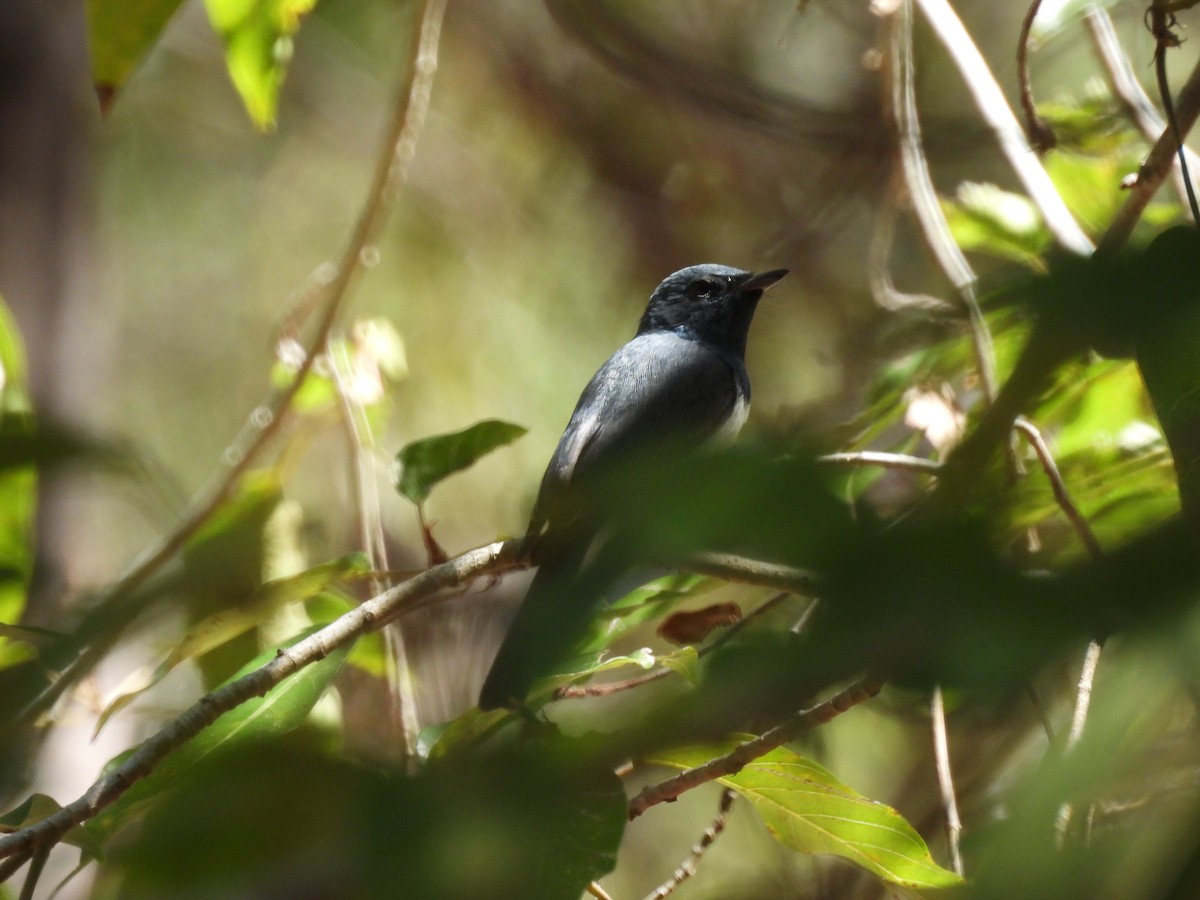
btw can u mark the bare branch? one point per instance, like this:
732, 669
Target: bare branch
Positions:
737, 759
1159, 162
372, 614
1083, 700
941, 755
919, 183
1058, 486
1162, 20
752, 571
883, 290
1123, 82
899, 461
1040, 134
997, 113
688, 868
1087, 676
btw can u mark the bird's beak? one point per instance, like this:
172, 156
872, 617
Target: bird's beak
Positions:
762, 280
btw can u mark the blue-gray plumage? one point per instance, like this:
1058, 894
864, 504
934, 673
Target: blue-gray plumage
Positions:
680, 383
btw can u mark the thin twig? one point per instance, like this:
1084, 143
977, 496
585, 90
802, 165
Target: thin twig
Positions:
688, 867
941, 755
883, 290
489, 560
369, 520
1011, 137
597, 891
900, 461
1061, 496
752, 571
399, 144
1161, 22
1083, 696
1083, 700
1040, 709
1124, 84
9, 867
36, 865
1087, 675
926, 207
737, 759
577, 691
1040, 134
1159, 162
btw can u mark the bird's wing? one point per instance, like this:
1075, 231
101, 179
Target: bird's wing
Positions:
657, 388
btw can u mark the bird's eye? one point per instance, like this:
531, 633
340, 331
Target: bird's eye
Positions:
702, 289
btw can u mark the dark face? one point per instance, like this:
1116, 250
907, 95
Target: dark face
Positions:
709, 303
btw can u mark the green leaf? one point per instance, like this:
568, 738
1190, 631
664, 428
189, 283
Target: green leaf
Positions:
438, 741
120, 33
806, 808
258, 47
685, 661
426, 462
279, 711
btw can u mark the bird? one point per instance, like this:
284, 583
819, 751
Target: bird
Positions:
679, 385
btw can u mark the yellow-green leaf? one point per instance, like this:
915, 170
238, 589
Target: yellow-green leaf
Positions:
258, 47
806, 808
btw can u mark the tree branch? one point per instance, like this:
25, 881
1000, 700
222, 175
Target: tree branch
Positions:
744, 754
1124, 84
945, 777
1061, 496
900, 461
1159, 162
919, 183
688, 868
752, 571
997, 113
372, 614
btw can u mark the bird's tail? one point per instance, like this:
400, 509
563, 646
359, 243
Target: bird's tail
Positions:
555, 614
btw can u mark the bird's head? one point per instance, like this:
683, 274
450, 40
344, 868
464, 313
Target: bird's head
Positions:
708, 303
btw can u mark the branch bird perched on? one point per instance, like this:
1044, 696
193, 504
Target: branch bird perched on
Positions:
679, 384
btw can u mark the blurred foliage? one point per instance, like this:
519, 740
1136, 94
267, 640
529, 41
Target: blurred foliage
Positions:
282, 709
523, 825
574, 153
20, 450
